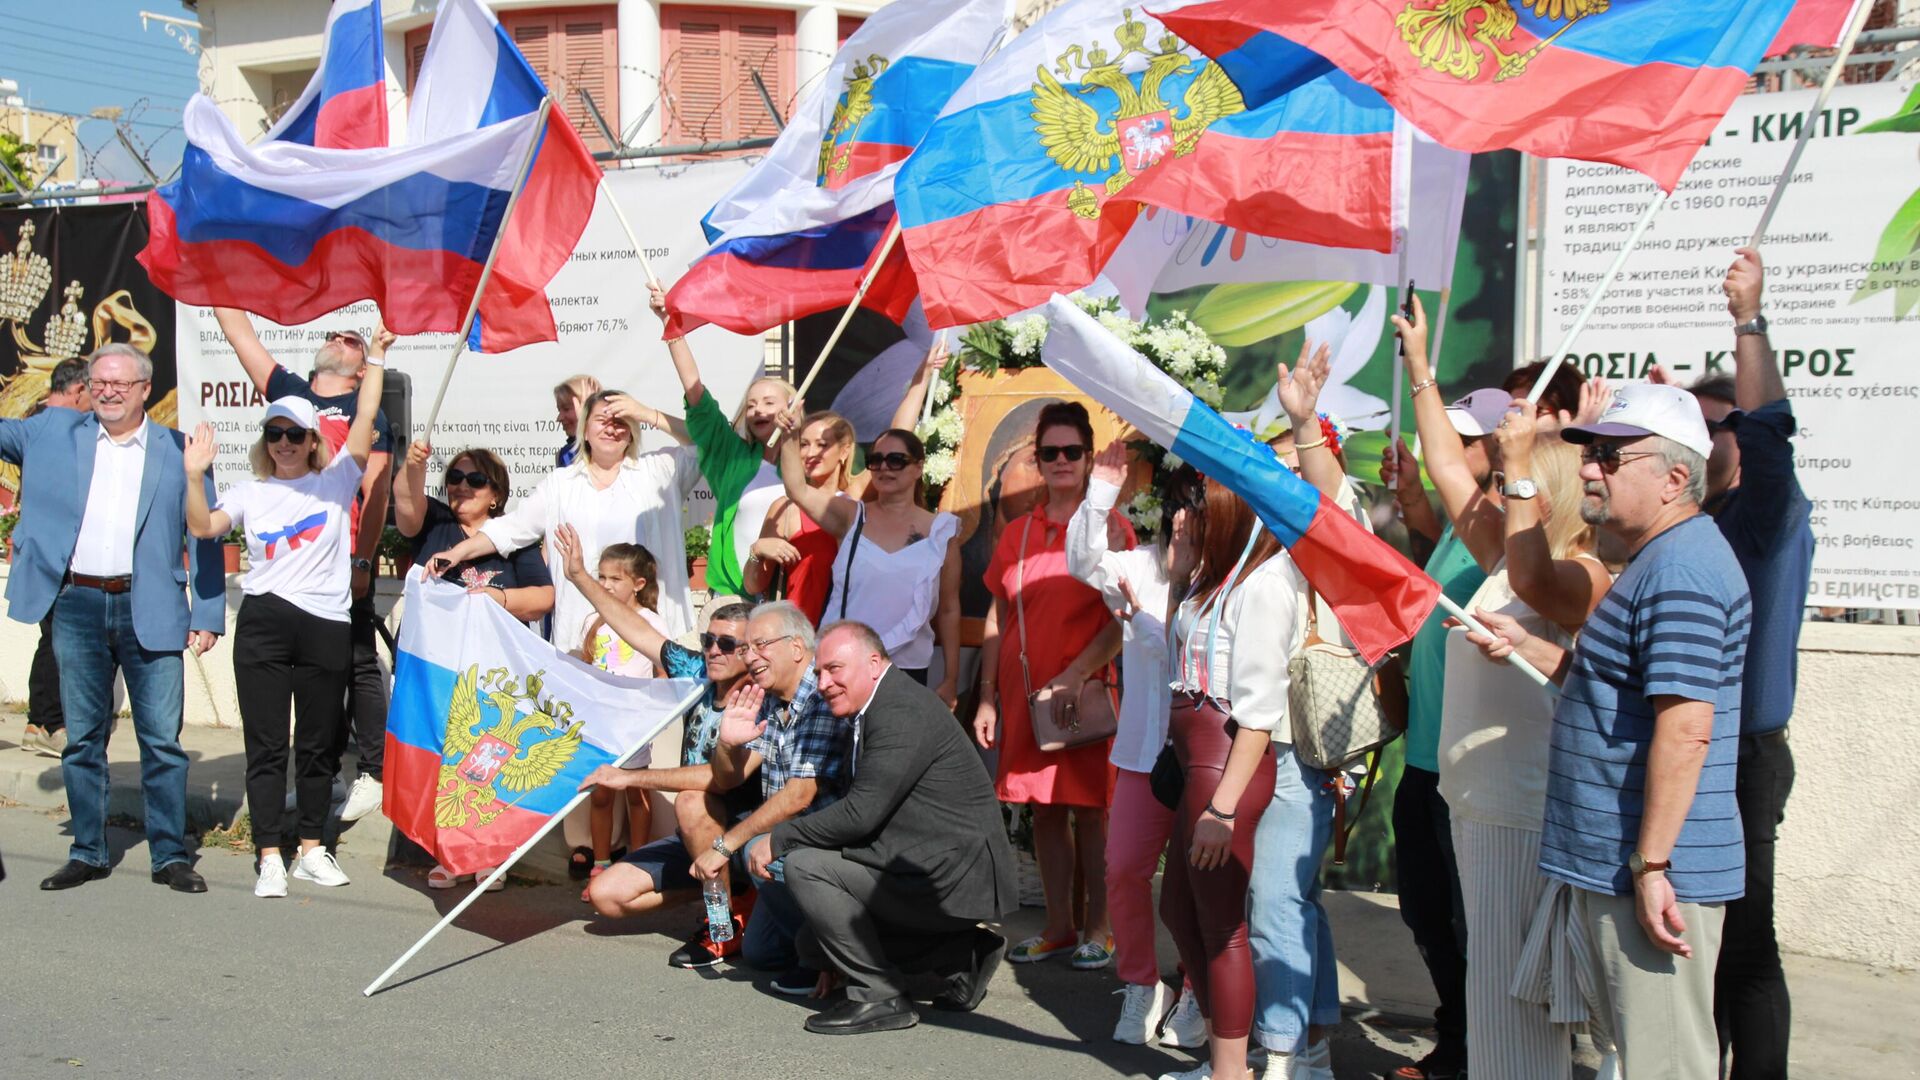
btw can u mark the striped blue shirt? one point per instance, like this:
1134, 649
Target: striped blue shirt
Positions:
1674, 623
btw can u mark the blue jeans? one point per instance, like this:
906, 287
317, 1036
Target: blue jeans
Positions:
92, 636
768, 941
1295, 981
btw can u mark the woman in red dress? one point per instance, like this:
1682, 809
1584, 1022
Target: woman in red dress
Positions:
791, 541
1074, 636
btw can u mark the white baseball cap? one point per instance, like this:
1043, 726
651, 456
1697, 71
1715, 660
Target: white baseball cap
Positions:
1479, 412
297, 409
1649, 409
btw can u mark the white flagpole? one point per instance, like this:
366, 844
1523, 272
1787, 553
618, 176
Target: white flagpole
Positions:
1859, 21
632, 237
479, 887
486, 271
1475, 625
1599, 290
1400, 347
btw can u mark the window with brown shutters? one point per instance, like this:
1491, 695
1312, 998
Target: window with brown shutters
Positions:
571, 49
707, 72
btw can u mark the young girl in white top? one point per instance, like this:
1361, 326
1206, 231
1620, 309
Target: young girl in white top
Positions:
628, 572
291, 640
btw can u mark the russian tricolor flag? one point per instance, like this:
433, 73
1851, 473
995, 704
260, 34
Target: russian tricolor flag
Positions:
1039, 165
1636, 83
1380, 598
492, 729
344, 107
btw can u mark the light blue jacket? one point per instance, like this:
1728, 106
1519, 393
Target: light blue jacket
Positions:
55, 452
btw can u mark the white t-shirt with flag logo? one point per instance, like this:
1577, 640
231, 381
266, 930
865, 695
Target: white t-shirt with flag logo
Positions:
298, 536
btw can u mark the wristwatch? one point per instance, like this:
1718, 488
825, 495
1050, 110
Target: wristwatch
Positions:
1755, 325
720, 845
1642, 866
361, 564
1521, 488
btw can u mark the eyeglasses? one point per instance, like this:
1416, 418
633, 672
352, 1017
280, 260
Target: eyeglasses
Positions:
892, 462
1050, 454
764, 644
1609, 456
294, 435
726, 643
476, 479
116, 386
350, 337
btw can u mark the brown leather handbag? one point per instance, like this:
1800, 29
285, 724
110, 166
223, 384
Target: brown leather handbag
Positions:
1089, 715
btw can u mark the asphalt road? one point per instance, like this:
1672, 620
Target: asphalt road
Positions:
121, 977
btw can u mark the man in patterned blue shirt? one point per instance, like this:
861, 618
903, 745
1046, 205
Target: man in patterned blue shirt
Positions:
1642, 843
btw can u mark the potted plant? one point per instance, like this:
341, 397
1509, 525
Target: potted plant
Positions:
7, 521
231, 547
397, 551
698, 539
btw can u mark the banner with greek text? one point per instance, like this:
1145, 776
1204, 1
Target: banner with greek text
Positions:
1842, 295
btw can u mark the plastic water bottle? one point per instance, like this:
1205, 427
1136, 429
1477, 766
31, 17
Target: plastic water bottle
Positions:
719, 911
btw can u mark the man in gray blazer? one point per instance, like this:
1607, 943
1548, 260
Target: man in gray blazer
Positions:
897, 875
102, 551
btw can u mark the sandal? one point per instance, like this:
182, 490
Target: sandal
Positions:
580, 863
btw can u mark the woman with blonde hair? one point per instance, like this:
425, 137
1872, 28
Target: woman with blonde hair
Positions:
292, 640
793, 545
567, 398
1495, 735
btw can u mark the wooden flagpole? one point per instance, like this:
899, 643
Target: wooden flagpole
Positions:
486, 271
1862, 9
866, 282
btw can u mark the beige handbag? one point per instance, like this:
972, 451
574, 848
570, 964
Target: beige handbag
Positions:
1342, 708
1090, 715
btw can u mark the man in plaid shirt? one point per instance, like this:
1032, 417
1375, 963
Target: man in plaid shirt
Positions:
779, 726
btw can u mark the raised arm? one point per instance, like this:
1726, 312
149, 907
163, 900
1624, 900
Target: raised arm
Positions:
1476, 520
639, 412
204, 523
832, 514
621, 619
255, 360
1565, 591
367, 407
677, 349
410, 491
1756, 377
1300, 396
907, 416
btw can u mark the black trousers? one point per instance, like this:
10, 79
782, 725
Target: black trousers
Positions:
367, 704
1430, 901
283, 655
43, 683
869, 930
1750, 1002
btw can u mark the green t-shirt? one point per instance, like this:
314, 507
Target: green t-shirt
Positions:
1459, 577
729, 463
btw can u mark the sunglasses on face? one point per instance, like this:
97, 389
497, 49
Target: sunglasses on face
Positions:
1051, 454
348, 336
294, 435
1609, 456
475, 480
726, 643
891, 462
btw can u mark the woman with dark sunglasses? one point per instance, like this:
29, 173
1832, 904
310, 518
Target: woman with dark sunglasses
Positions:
476, 487
292, 641
898, 565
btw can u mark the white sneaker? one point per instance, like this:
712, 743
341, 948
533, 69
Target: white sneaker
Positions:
442, 878
1140, 1010
363, 798
1203, 1072
1185, 1026
273, 877
319, 867
1314, 1063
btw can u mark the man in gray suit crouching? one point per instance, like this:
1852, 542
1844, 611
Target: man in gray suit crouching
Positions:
897, 875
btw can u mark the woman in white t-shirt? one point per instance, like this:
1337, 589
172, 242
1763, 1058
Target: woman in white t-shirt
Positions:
291, 640
1495, 734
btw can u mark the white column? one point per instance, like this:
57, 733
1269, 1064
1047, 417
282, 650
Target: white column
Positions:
640, 53
816, 37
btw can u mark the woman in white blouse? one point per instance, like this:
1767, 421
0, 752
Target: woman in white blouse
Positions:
898, 565
613, 493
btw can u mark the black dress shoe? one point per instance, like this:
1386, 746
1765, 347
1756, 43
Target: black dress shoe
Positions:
860, 1017
965, 989
180, 878
74, 873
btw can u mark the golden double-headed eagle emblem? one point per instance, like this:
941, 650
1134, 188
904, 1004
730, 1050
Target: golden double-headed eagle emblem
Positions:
475, 764
855, 103
1133, 121
1454, 37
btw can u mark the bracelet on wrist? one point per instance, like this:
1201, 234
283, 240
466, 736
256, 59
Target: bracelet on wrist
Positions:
1321, 441
1421, 385
1216, 813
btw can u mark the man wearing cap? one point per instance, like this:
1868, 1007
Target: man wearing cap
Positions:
1642, 842
334, 391
101, 554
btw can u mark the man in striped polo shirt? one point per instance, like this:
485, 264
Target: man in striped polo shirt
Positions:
1642, 843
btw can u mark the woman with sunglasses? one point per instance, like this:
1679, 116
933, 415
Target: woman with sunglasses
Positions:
897, 568
1073, 638
793, 544
292, 640
476, 489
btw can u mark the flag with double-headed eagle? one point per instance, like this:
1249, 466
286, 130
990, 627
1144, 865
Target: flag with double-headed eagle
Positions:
796, 235
1038, 167
492, 729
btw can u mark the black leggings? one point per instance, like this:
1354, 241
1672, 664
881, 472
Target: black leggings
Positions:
282, 654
